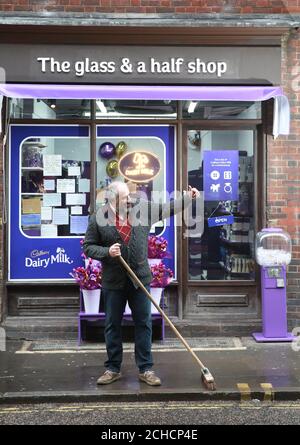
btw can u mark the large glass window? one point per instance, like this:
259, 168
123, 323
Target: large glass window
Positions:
51, 164
225, 249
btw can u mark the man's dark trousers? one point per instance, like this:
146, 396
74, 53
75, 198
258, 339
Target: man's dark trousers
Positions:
140, 305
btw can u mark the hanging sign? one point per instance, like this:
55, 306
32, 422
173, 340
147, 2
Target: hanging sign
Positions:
215, 221
139, 166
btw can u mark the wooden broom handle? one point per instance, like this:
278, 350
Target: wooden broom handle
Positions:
177, 333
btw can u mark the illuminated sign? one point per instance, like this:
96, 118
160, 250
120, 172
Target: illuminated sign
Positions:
139, 166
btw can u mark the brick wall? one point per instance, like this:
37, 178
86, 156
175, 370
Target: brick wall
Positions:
284, 171
155, 6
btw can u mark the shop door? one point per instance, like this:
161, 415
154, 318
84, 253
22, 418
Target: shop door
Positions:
218, 268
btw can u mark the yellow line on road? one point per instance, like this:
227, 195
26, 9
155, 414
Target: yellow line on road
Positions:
287, 407
248, 406
113, 408
122, 407
18, 412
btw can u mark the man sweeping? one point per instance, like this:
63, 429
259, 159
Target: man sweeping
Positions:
121, 227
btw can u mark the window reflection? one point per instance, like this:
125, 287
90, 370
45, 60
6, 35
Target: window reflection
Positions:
221, 110
50, 108
223, 252
137, 109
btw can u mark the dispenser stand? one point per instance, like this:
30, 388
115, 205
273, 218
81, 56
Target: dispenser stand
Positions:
274, 312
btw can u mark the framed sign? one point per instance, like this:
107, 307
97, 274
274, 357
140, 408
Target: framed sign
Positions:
221, 175
139, 166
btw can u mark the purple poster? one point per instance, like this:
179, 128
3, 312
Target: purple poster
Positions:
221, 175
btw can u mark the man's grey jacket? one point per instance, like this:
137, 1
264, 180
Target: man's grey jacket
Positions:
102, 233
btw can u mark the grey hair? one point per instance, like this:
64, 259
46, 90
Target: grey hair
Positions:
114, 188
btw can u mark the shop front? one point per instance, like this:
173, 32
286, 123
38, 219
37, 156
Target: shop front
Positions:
201, 113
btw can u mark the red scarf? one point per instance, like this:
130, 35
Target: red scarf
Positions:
124, 228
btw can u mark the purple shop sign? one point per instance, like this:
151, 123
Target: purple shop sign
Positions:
221, 175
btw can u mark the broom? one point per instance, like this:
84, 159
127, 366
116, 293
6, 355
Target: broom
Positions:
206, 376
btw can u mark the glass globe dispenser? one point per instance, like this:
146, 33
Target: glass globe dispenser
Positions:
273, 247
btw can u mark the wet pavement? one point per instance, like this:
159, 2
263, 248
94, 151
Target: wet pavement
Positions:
246, 371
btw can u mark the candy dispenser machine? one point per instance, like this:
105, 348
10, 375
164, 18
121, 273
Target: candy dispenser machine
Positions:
273, 252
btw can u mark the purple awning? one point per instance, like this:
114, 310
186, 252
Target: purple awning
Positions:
147, 92
281, 123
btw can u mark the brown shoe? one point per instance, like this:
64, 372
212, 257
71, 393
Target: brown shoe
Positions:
108, 377
150, 378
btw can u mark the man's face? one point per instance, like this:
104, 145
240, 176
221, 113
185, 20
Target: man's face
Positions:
122, 200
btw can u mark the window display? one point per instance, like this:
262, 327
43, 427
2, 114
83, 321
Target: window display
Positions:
49, 197
139, 155
118, 159
55, 176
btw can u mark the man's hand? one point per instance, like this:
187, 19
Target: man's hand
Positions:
193, 192
115, 250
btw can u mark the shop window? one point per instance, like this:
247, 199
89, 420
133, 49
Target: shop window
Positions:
50, 109
221, 163
143, 156
55, 186
221, 110
136, 109
109, 152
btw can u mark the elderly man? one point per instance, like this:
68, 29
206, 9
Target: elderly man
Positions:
121, 227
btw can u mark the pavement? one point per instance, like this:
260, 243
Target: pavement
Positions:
49, 372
